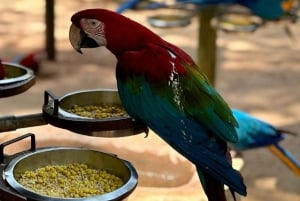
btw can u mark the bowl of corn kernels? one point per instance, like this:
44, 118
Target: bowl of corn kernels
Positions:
92, 104
74, 174
12, 73
93, 112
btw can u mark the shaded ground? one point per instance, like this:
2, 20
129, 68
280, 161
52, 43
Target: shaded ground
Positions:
258, 73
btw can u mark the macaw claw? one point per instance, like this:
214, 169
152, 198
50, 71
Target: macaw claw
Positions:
146, 131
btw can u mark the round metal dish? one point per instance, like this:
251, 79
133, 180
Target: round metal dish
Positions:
169, 20
238, 22
65, 155
17, 79
55, 113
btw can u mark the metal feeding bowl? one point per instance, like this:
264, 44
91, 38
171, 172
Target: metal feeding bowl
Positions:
169, 20
174, 16
238, 22
55, 111
17, 79
66, 155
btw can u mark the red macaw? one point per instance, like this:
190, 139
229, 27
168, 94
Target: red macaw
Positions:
160, 85
31, 60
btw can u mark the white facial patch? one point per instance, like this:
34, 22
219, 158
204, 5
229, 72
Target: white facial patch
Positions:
94, 29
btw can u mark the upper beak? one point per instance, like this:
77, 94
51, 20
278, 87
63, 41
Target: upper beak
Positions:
75, 38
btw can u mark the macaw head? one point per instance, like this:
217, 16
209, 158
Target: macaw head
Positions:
288, 5
100, 27
269, 9
87, 31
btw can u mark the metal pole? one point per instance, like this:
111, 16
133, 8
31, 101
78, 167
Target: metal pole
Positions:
10, 123
207, 43
49, 20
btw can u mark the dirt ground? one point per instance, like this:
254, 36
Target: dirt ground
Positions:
256, 72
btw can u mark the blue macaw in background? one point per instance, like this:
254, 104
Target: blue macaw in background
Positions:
207, 2
255, 133
134, 4
266, 9
148, 4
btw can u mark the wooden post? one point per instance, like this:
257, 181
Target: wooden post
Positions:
207, 43
49, 20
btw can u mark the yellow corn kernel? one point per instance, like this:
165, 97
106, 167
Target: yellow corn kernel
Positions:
98, 111
70, 181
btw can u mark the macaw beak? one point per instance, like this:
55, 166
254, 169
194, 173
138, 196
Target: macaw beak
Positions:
287, 5
79, 39
75, 38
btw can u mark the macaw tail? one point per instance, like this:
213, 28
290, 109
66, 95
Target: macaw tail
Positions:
213, 188
286, 157
286, 132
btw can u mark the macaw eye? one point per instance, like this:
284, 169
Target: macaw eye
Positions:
93, 23
92, 26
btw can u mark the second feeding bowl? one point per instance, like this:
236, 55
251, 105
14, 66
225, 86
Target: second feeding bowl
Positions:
238, 22
168, 21
56, 111
17, 79
172, 17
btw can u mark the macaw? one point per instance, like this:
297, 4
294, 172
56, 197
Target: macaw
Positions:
161, 86
268, 9
133, 4
2, 73
255, 133
207, 2
265, 9
30, 60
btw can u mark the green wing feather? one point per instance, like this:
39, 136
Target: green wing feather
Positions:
203, 103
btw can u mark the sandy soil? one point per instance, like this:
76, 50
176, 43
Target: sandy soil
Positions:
257, 72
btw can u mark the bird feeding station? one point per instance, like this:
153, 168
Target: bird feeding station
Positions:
55, 112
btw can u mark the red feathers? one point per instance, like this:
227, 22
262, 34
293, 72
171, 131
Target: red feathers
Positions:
31, 60
214, 189
136, 47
